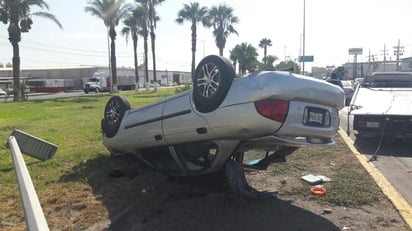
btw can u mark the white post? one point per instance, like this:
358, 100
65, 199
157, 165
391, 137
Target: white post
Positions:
33, 212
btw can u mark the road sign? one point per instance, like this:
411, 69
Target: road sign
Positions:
355, 51
306, 58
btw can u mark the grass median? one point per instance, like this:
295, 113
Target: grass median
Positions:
71, 123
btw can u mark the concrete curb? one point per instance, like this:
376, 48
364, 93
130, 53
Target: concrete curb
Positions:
405, 210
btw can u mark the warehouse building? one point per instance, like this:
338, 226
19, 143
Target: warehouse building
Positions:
56, 79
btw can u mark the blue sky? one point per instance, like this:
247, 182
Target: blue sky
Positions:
332, 27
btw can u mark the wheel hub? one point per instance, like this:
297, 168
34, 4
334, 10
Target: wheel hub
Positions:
112, 114
209, 83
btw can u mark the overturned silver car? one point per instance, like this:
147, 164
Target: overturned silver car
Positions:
209, 127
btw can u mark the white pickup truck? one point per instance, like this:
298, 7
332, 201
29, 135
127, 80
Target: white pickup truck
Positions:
382, 106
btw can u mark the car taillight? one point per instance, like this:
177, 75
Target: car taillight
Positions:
361, 122
273, 109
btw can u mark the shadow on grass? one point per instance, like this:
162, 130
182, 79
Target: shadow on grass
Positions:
139, 198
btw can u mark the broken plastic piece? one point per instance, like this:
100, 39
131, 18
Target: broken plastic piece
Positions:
318, 190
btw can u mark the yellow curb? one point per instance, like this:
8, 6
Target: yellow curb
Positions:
391, 193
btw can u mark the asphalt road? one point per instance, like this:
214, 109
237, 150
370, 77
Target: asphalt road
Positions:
42, 96
393, 160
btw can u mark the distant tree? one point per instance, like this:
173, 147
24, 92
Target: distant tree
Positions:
246, 55
222, 20
235, 55
111, 12
193, 13
288, 65
265, 43
133, 27
18, 15
268, 63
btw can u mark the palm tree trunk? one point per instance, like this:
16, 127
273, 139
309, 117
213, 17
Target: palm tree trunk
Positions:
153, 38
15, 38
146, 63
136, 66
16, 71
194, 38
113, 58
114, 68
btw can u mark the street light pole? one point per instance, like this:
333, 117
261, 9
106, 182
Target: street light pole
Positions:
303, 37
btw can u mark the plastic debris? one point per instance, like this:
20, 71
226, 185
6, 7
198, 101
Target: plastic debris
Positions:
315, 179
318, 190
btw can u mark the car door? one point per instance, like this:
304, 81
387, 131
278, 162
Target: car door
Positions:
181, 124
143, 127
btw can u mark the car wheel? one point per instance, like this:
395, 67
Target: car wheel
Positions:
97, 90
211, 82
114, 111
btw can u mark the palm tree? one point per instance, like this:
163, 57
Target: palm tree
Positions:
235, 56
246, 55
194, 14
265, 43
17, 14
133, 27
145, 34
268, 64
152, 18
111, 12
222, 19
288, 65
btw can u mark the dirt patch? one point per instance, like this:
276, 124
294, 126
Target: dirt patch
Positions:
138, 198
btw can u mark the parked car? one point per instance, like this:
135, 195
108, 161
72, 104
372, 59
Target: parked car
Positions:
209, 127
381, 106
356, 82
336, 82
2, 92
346, 85
349, 90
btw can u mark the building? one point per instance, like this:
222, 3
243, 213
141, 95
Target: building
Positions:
56, 79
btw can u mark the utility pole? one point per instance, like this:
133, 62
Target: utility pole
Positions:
398, 51
303, 38
384, 57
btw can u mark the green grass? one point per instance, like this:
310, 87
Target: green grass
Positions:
73, 124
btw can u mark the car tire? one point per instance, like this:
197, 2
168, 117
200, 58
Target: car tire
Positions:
211, 82
114, 111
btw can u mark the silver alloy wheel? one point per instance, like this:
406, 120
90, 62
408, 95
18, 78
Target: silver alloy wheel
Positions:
114, 111
112, 114
209, 83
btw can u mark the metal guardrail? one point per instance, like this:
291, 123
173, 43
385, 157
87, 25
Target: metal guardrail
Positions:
32, 209
20, 142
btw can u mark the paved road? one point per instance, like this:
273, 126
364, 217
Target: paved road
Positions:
42, 96
394, 160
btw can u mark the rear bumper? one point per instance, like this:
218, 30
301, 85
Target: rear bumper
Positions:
272, 142
397, 126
